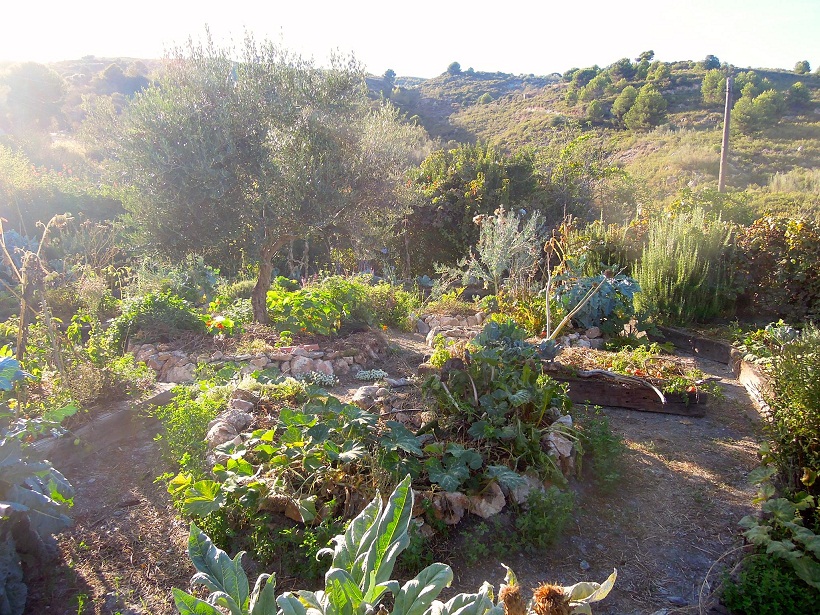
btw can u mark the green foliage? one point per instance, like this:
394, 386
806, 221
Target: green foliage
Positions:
713, 88
240, 289
769, 586
802, 67
603, 450
684, 273
34, 496
545, 516
234, 172
358, 580
185, 423
454, 68
152, 316
312, 311
777, 267
502, 400
190, 279
457, 185
648, 111
624, 102
794, 424
506, 251
440, 354
798, 96
610, 308
752, 113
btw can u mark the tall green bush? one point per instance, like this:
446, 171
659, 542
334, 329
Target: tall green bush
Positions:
795, 411
684, 271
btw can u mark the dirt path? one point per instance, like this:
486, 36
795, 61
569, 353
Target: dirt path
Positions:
674, 513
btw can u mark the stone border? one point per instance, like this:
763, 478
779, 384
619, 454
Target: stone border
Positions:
176, 366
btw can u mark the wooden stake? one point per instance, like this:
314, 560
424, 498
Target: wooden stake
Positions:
724, 148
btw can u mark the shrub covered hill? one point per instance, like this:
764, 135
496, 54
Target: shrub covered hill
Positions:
660, 122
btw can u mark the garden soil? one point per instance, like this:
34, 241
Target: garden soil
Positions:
669, 528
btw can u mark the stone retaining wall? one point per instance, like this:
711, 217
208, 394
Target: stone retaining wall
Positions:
177, 366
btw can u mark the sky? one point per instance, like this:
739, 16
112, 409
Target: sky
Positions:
421, 38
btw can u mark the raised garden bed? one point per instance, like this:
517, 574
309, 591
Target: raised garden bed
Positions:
604, 392
650, 380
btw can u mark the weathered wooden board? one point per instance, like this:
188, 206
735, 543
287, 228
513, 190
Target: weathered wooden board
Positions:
699, 346
600, 392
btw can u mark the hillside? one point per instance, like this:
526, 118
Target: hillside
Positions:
682, 150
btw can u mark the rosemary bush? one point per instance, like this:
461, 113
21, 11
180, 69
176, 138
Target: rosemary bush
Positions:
684, 273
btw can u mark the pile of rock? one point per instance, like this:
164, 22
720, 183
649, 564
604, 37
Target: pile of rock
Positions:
453, 328
591, 338
351, 356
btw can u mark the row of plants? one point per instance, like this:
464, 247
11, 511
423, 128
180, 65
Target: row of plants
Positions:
782, 575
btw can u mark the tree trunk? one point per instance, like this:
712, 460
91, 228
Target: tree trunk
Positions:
260, 291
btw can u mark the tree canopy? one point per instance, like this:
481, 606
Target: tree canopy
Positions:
223, 157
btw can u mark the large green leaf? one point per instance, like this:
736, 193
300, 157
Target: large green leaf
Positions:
289, 604
263, 596
403, 438
391, 538
416, 596
203, 498
356, 540
217, 571
448, 478
808, 569
505, 476
188, 605
343, 594
45, 515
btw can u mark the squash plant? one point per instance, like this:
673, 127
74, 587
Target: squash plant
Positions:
358, 581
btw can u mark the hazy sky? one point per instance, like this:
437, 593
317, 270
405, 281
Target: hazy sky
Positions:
421, 38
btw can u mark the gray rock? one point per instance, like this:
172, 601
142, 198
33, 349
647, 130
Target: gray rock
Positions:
301, 365
397, 383
365, 397
323, 367
597, 344
593, 332
238, 419
220, 433
341, 367
242, 405
422, 327
582, 343
181, 373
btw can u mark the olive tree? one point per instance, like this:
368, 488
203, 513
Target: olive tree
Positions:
245, 154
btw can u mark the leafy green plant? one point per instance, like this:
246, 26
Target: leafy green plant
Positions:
794, 421
359, 578
440, 354
769, 586
603, 450
545, 516
609, 308
153, 316
305, 310
185, 422
34, 497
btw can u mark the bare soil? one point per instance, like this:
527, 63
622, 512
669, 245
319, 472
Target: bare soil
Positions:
670, 527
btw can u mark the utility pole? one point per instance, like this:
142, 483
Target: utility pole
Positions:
724, 148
